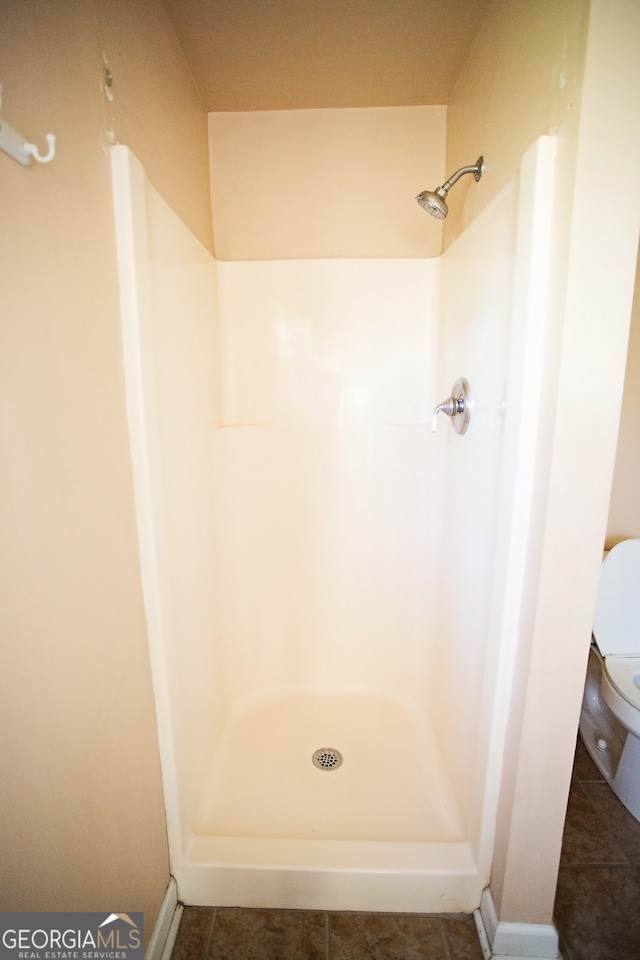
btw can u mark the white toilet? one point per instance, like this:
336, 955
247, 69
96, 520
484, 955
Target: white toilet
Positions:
610, 716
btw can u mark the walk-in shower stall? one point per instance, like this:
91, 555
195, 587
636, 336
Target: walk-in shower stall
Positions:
332, 589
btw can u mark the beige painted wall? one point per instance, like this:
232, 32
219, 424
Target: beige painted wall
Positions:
81, 816
587, 329
340, 183
284, 55
624, 508
522, 80
153, 107
304, 184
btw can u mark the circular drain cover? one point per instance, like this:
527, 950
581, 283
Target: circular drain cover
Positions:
327, 758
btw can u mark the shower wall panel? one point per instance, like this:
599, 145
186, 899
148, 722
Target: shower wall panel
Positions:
183, 290
475, 327
323, 473
288, 508
168, 302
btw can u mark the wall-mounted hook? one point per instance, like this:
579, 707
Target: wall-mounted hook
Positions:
32, 150
18, 148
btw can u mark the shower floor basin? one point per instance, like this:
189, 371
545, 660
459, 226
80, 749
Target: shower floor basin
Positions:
391, 785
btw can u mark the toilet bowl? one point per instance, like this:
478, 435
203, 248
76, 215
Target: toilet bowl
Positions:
610, 715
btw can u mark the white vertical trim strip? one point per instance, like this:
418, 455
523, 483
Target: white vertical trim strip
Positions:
128, 180
164, 933
522, 429
482, 935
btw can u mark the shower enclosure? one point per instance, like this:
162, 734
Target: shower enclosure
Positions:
321, 572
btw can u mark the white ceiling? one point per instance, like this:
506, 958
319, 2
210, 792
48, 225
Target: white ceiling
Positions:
304, 54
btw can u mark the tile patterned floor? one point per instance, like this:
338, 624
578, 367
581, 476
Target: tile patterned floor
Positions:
597, 910
234, 934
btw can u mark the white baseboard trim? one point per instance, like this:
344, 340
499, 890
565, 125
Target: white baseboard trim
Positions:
160, 945
513, 941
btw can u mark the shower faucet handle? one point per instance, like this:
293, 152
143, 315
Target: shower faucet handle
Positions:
457, 406
450, 407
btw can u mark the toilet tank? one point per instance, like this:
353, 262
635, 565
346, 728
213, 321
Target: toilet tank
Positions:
616, 622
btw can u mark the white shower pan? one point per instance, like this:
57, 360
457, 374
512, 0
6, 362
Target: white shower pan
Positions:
335, 834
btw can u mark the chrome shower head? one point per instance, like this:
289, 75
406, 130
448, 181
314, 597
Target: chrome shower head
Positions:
435, 202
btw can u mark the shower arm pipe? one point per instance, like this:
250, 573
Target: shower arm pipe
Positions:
475, 169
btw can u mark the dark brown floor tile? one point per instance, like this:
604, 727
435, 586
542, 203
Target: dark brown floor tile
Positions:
621, 824
597, 914
385, 936
268, 935
583, 766
463, 939
192, 933
586, 838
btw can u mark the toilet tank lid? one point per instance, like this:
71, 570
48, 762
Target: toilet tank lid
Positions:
616, 622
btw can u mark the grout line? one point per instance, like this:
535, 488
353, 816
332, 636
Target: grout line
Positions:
209, 938
445, 940
599, 864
